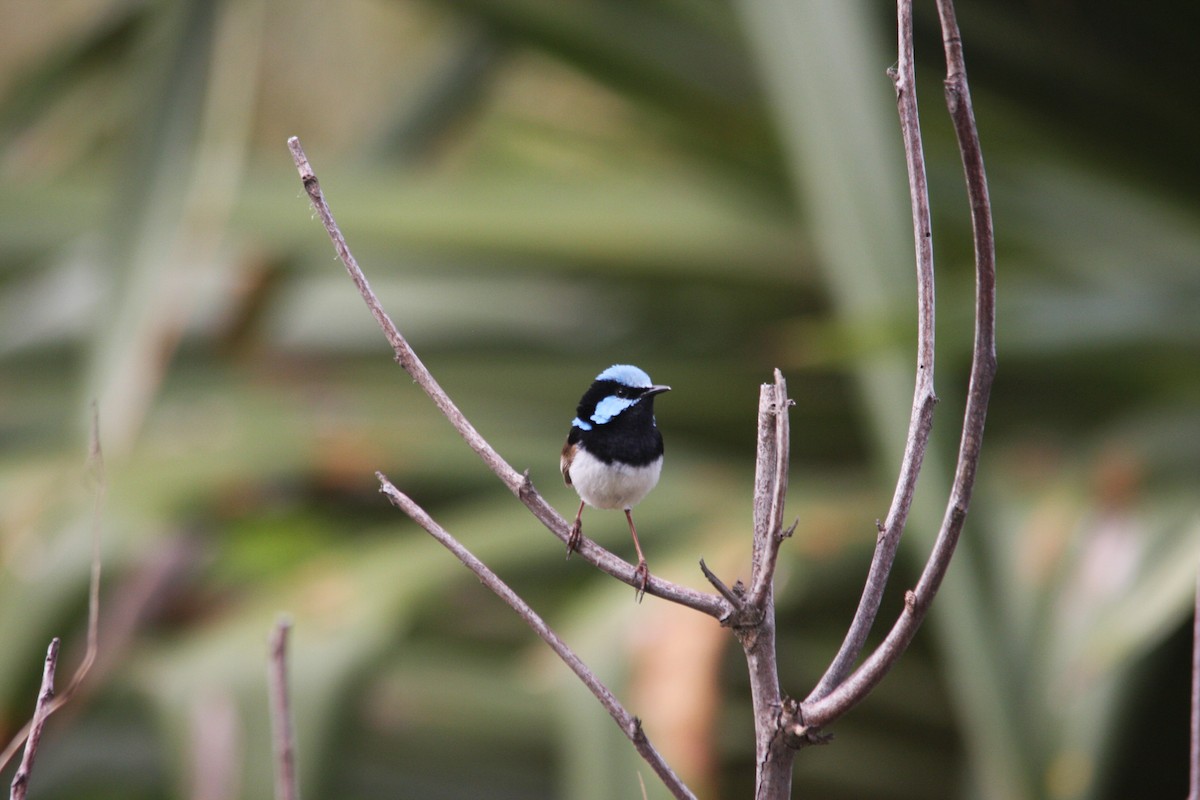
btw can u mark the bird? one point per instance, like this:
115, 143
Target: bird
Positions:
614, 451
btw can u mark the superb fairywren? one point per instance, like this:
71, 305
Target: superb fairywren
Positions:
614, 452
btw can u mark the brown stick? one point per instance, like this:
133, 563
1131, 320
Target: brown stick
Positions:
630, 725
283, 735
20, 783
770, 488
773, 758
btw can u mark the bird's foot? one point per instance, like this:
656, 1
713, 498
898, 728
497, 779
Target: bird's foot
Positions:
574, 537
641, 574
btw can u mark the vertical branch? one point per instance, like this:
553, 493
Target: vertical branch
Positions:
983, 360
281, 713
773, 758
20, 783
921, 420
770, 487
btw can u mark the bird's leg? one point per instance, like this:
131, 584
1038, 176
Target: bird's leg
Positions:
641, 573
576, 532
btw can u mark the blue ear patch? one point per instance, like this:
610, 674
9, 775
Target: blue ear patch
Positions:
609, 407
583, 426
626, 374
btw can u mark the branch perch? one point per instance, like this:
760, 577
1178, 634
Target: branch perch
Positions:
782, 724
518, 483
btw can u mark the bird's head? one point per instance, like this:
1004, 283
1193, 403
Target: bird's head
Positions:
614, 391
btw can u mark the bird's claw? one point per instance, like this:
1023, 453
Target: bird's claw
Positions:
574, 537
641, 574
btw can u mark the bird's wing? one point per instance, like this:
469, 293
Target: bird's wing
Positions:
568, 455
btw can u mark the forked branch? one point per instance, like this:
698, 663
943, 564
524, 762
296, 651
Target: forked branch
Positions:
782, 723
921, 419
822, 710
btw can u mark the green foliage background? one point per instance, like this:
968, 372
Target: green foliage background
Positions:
538, 189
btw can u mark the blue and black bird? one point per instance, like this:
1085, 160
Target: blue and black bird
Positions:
614, 452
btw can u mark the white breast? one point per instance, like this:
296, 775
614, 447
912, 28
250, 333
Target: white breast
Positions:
613, 485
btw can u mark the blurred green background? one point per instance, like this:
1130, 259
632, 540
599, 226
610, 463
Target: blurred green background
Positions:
538, 189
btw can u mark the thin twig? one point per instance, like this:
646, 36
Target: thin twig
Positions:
283, 735
20, 783
518, 483
983, 370
630, 725
921, 419
92, 651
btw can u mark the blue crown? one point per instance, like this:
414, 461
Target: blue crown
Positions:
626, 374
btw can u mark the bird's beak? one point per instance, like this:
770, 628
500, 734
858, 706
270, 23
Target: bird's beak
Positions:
656, 390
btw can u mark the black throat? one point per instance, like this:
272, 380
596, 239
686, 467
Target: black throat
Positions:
631, 437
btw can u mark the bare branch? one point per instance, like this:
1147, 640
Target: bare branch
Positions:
921, 419
773, 756
20, 783
983, 370
100, 486
518, 483
282, 732
770, 487
630, 725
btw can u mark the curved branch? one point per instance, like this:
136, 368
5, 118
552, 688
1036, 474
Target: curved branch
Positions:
517, 483
983, 369
630, 725
921, 420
